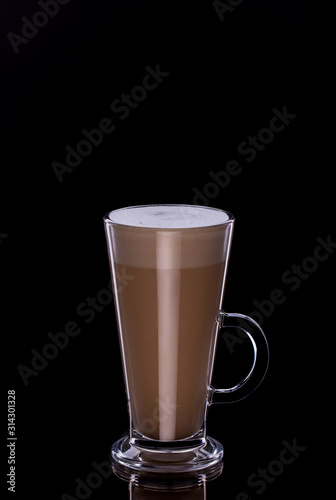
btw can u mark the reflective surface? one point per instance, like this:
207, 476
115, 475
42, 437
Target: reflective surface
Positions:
151, 485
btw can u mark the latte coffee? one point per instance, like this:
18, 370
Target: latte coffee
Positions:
174, 258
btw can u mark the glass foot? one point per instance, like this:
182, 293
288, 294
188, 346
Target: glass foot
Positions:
129, 459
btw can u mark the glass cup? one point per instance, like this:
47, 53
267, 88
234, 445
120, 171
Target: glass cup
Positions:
168, 266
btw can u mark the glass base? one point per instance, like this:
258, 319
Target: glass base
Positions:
129, 458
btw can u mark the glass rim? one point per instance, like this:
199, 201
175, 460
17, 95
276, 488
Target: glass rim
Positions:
108, 220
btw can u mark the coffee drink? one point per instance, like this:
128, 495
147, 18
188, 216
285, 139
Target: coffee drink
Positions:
174, 259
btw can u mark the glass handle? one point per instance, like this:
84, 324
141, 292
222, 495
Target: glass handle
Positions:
260, 358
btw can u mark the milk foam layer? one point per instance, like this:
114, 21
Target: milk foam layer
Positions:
169, 216
169, 236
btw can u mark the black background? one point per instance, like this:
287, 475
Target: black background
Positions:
225, 79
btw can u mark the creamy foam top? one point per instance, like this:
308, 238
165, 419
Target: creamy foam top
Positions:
169, 236
169, 216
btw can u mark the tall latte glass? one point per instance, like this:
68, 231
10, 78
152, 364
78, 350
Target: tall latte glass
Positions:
168, 265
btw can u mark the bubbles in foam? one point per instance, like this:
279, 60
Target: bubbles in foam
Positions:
169, 216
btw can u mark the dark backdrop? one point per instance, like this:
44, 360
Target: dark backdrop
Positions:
228, 119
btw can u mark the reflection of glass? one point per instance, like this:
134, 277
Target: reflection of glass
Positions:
151, 486
174, 260
191, 492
